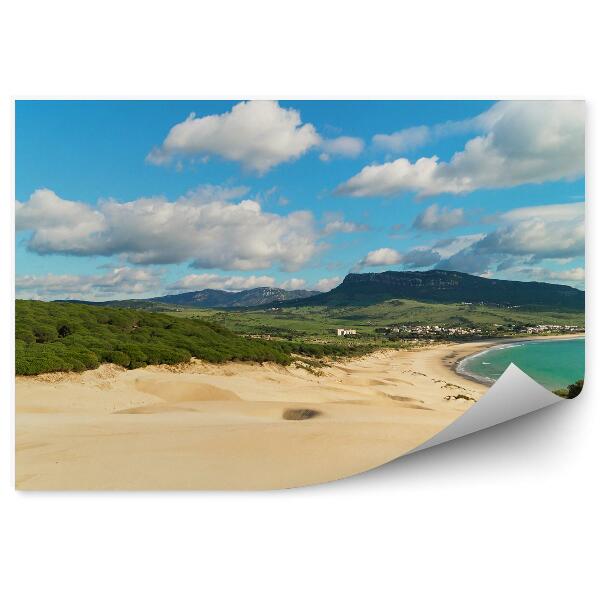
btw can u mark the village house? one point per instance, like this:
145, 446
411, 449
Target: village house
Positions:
346, 331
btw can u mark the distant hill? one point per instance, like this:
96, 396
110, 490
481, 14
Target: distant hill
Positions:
363, 289
222, 299
210, 299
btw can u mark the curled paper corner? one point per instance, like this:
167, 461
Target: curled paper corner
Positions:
513, 395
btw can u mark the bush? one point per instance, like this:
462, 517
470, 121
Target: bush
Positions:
571, 391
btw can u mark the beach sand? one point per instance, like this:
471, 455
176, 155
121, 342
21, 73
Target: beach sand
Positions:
234, 426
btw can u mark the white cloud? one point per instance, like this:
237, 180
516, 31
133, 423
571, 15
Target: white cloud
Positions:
403, 140
221, 282
524, 235
203, 227
420, 256
327, 283
448, 247
344, 146
436, 218
414, 137
380, 257
260, 134
293, 284
118, 281
60, 225
523, 238
551, 231
575, 276
339, 225
522, 142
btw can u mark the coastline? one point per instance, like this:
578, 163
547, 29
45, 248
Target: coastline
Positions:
236, 425
462, 371
205, 426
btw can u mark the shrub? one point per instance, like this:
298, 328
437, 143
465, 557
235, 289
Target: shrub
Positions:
571, 391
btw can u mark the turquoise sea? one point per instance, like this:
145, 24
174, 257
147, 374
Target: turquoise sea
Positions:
552, 363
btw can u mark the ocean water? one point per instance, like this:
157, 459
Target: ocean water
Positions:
552, 363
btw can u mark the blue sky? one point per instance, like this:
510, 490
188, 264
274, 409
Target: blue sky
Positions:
136, 198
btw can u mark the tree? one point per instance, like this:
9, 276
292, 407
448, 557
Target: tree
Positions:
64, 331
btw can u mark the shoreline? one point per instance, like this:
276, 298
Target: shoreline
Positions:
234, 425
501, 342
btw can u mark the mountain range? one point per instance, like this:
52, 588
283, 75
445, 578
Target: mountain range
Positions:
210, 298
221, 299
363, 289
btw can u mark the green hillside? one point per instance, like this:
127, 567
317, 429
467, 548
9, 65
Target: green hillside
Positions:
364, 289
321, 322
75, 337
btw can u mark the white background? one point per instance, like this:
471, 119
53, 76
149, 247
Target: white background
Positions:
507, 513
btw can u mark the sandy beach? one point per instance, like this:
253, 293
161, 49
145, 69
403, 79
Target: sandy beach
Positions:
234, 426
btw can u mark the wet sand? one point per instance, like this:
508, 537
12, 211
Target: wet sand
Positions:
234, 426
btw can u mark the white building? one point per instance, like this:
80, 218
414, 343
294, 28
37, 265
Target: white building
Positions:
346, 331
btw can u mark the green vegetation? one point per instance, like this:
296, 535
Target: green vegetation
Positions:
319, 323
61, 336
571, 391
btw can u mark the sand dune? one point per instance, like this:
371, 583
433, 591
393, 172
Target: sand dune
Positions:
236, 426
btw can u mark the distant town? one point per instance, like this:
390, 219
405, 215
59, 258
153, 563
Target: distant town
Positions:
444, 332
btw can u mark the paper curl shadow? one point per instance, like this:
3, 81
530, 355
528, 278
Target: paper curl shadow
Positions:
513, 395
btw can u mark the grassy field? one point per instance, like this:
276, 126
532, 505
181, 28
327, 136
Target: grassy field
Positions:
320, 323
75, 337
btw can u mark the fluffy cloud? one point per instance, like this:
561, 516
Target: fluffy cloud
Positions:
435, 218
344, 146
413, 259
420, 256
260, 134
380, 257
59, 225
327, 283
221, 282
521, 142
293, 284
525, 235
521, 240
551, 231
120, 281
203, 227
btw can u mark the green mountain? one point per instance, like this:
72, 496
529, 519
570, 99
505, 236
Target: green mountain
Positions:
363, 289
207, 299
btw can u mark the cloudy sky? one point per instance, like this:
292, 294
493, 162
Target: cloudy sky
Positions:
137, 199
